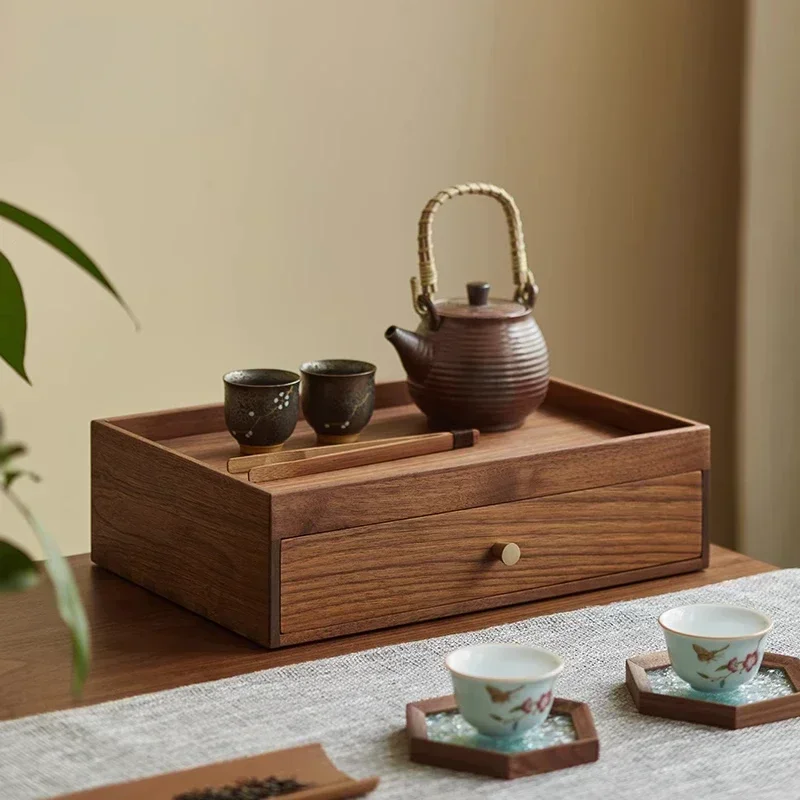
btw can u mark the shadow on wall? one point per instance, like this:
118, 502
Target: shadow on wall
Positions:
619, 134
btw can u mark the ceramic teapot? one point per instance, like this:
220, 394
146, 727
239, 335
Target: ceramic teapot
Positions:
474, 363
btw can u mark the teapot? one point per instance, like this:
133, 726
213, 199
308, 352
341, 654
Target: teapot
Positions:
474, 363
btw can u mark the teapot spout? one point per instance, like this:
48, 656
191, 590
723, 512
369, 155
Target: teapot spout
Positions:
415, 352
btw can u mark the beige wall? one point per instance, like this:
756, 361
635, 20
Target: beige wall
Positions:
770, 375
250, 173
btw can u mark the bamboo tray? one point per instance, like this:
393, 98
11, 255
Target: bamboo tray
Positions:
308, 765
594, 490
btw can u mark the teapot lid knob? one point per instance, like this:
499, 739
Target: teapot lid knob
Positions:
478, 293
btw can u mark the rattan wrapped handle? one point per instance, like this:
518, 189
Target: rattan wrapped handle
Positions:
424, 287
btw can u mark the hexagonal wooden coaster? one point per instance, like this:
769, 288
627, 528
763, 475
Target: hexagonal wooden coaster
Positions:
709, 712
583, 750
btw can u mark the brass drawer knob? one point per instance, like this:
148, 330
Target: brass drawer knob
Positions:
507, 552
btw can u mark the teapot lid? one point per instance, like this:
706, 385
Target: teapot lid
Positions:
478, 304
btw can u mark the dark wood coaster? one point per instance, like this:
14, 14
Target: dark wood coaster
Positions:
584, 750
708, 712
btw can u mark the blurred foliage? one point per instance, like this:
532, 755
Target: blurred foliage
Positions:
18, 571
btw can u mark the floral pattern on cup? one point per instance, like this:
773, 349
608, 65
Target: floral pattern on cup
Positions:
733, 666
279, 403
504, 689
261, 407
527, 706
338, 397
715, 647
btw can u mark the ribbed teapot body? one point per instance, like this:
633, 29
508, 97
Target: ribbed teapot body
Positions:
488, 373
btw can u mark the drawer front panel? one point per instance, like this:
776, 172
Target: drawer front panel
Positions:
343, 577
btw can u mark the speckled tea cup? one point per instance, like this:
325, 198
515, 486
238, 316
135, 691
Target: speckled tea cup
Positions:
261, 407
504, 689
338, 398
715, 647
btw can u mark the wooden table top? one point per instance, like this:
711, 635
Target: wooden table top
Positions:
143, 643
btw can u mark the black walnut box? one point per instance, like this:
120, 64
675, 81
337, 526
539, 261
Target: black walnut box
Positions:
594, 491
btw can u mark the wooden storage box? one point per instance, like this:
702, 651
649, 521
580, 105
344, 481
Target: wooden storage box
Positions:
596, 492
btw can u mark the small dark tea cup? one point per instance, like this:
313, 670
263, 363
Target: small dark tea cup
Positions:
338, 398
261, 407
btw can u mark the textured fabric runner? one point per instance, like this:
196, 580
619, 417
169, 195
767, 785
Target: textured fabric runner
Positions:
355, 706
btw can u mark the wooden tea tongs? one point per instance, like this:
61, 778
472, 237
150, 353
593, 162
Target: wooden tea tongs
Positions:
239, 464
312, 460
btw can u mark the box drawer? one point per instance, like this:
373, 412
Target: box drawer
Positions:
394, 572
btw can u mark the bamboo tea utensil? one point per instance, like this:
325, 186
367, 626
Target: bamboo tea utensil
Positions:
421, 445
308, 764
239, 464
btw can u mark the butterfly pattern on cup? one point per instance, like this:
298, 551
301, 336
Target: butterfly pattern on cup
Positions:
733, 666
708, 655
527, 706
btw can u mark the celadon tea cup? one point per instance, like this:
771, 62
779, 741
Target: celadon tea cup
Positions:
504, 689
715, 648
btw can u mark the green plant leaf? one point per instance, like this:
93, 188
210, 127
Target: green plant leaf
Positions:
61, 242
703, 675
18, 571
11, 476
13, 319
70, 609
722, 668
68, 599
10, 451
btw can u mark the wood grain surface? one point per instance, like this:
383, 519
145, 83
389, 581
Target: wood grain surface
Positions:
166, 522
445, 560
143, 643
